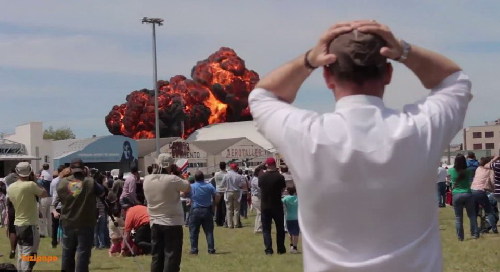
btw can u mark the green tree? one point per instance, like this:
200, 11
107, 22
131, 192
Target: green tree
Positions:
62, 133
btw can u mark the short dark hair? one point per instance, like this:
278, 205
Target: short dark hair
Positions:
198, 176
222, 165
134, 169
359, 74
291, 190
484, 160
150, 169
358, 57
45, 166
471, 155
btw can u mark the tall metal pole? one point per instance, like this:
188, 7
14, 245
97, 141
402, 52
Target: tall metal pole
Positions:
155, 21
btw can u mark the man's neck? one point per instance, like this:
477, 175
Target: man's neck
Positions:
349, 88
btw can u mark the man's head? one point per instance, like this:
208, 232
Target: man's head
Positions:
359, 68
234, 166
198, 176
23, 169
471, 155
222, 165
165, 160
271, 163
45, 166
77, 166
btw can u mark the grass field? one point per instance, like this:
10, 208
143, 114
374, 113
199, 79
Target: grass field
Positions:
242, 250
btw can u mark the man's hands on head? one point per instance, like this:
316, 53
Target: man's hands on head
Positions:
394, 49
64, 173
319, 55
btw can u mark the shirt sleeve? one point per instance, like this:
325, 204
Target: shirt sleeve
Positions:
182, 185
36, 189
98, 189
444, 107
275, 118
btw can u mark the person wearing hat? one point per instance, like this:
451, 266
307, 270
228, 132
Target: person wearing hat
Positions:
77, 192
45, 221
360, 150
272, 184
22, 194
162, 191
232, 183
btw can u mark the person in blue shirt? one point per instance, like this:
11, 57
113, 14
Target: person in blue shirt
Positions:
203, 202
291, 204
472, 163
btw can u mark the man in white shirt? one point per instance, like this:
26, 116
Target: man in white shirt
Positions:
364, 173
441, 186
220, 212
45, 202
162, 191
232, 183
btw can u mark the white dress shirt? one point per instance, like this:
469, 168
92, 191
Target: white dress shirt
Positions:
365, 175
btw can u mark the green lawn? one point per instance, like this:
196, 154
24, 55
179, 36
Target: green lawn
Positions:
242, 249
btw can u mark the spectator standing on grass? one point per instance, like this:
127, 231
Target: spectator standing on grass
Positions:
220, 211
271, 185
55, 210
462, 197
46, 220
244, 195
162, 191
203, 202
232, 183
77, 194
291, 204
115, 230
256, 201
360, 150
22, 194
495, 165
441, 186
481, 185
128, 198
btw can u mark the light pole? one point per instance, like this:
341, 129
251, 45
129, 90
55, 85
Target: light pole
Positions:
155, 21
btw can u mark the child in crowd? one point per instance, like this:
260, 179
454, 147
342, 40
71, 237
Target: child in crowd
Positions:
291, 204
115, 231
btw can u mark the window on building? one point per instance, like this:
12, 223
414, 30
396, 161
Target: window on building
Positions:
489, 134
477, 146
489, 146
476, 135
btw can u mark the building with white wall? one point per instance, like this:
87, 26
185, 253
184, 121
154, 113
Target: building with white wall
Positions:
485, 137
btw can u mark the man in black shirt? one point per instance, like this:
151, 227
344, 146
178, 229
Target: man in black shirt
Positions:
272, 184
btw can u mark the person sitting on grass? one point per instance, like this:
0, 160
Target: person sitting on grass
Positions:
291, 204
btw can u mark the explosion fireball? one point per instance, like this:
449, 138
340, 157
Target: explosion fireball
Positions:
217, 93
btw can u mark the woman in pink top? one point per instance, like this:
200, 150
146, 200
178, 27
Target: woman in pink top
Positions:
481, 184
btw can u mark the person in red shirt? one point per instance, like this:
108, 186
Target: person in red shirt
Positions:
137, 220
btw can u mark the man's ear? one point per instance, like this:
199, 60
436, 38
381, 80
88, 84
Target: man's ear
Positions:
329, 78
388, 74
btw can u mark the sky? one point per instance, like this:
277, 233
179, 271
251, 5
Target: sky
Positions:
66, 63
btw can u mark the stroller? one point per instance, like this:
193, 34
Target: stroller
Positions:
484, 226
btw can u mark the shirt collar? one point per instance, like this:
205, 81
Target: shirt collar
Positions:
359, 100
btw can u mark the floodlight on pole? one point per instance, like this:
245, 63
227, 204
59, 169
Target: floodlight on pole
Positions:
154, 22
